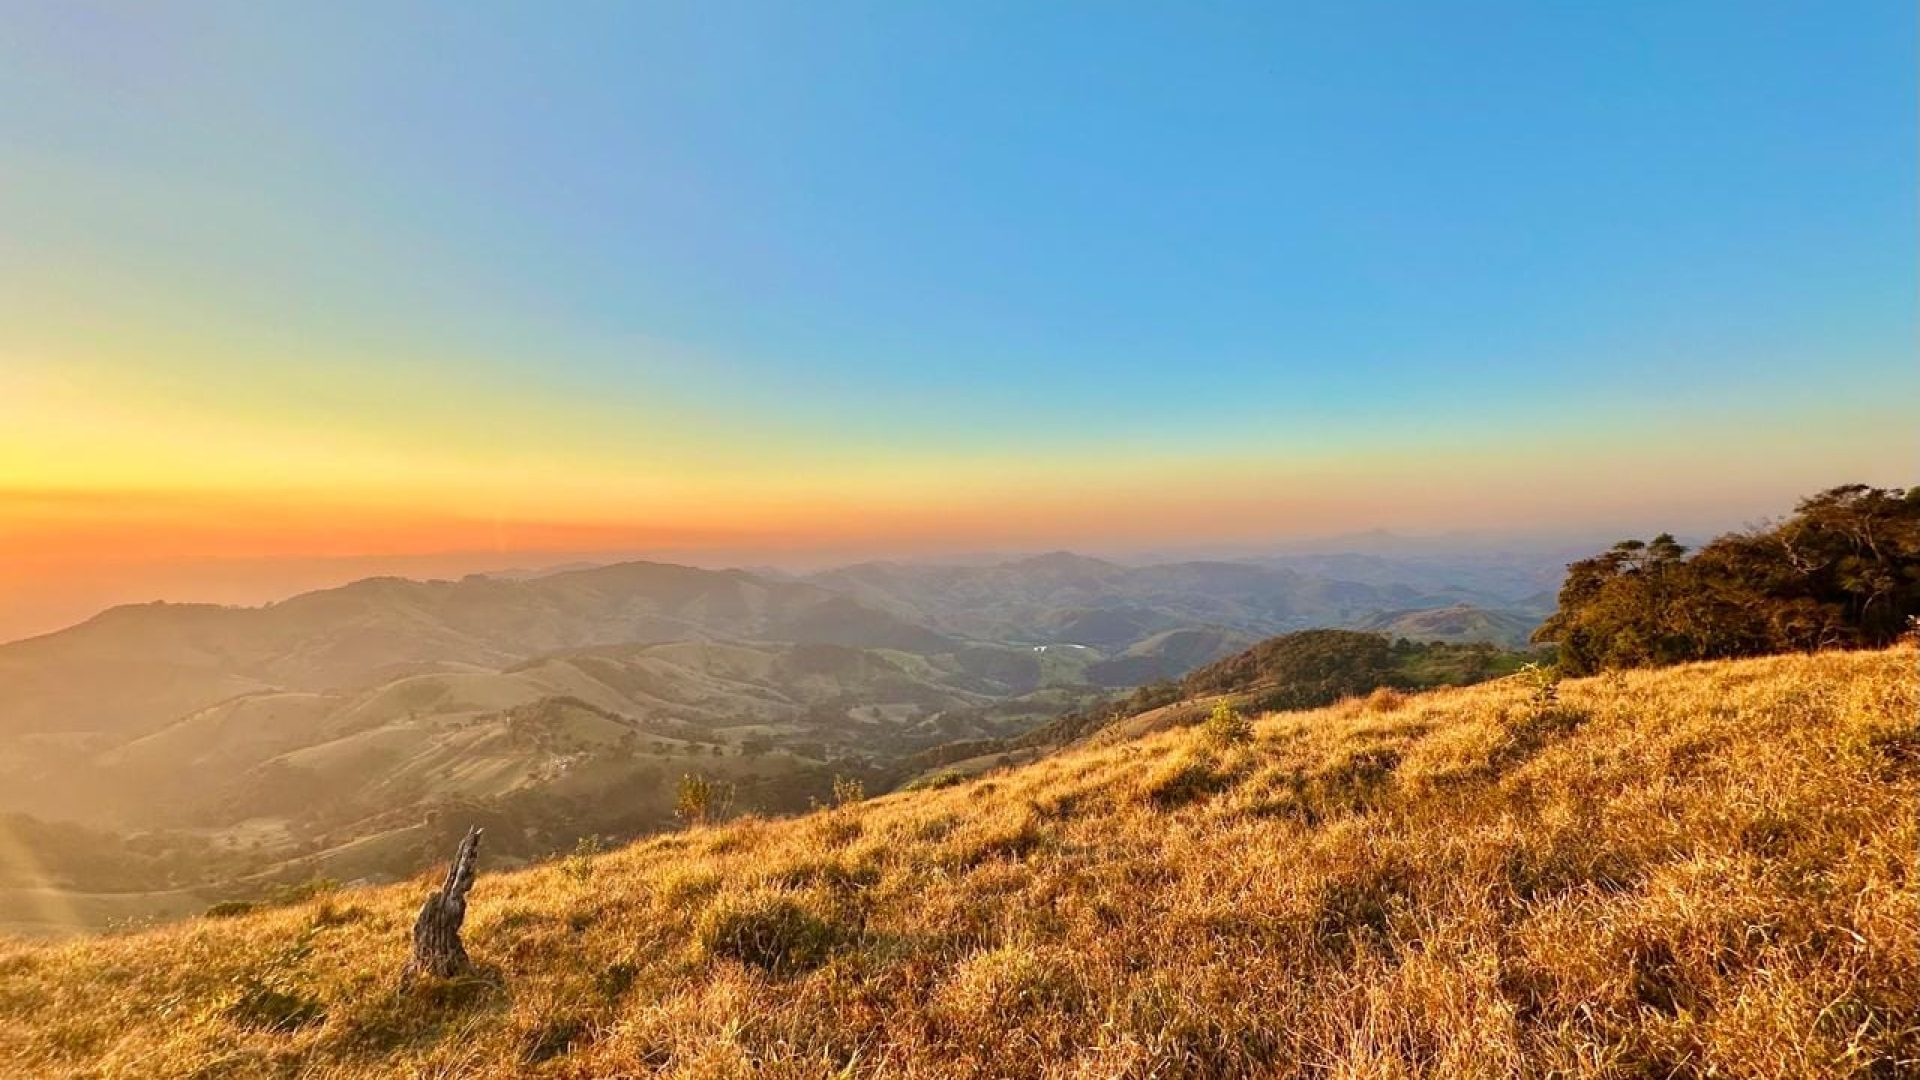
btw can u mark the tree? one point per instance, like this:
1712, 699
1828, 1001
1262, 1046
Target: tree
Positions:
1843, 571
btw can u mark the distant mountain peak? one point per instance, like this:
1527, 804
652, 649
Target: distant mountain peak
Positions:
1062, 561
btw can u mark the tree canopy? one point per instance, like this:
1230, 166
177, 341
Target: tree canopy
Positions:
1842, 572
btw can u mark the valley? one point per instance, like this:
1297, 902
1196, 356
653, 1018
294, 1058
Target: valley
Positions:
214, 754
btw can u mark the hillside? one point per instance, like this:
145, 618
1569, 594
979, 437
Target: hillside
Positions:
1064, 597
283, 786
1168, 654
1521, 580
131, 669
1456, 623
1701, 870
1304, 669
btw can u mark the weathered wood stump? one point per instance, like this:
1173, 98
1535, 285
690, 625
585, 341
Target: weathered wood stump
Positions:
436, 931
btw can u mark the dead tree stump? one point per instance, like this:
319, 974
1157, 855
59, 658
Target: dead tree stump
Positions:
436, 932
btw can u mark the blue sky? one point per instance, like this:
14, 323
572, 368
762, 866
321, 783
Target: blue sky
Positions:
824, 259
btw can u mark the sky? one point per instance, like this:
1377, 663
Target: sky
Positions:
288, 292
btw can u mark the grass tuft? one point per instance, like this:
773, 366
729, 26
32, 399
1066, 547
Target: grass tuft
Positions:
779, 931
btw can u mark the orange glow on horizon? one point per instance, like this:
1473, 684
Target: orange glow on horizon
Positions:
113, 491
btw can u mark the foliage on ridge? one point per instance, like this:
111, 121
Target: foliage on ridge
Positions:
1301, 670
1843, 571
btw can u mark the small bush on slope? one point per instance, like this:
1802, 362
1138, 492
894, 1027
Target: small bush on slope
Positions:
1225, 726
1697, 870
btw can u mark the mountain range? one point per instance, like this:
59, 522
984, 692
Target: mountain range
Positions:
135, 667
166, 659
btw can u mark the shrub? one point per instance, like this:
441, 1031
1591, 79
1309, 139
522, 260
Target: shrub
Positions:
579, 865
1542, 683
1844, 570
1225, 726
699, 800
848, 790
946, 778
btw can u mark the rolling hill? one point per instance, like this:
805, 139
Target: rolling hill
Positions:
1458, 623
1062, 597
1303, 669
836, 701
1521, 579
1701, 870
131, 669
338, 783
1168, 654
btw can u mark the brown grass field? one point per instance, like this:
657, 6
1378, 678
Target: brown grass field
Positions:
1700, 871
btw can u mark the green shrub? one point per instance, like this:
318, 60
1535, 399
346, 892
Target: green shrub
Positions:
1542, 683
579, 865
1844, 570
1225, 726
944, 779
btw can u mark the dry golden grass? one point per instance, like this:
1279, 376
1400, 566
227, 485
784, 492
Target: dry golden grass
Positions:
1706, 870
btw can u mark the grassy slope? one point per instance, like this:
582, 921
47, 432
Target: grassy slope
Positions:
1706, 866
337, 783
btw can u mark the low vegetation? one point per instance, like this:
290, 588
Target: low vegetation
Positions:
1301, 670
1691, 871
1843, 571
